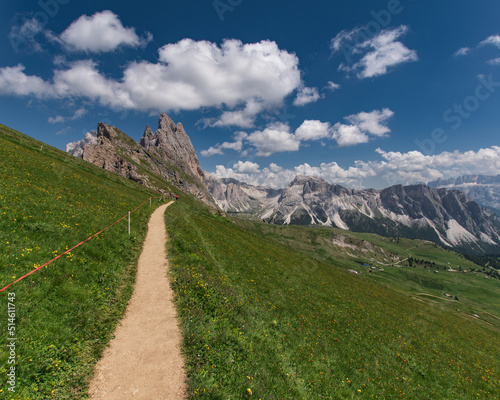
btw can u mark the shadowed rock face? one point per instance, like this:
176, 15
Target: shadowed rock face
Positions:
481, 188
167, 153
102, 152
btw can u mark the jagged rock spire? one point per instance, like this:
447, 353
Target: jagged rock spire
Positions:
172, 142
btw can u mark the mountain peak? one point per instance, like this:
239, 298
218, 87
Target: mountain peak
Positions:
165, 123
148, 138
167, 153
302, 179
171, 141
484, 189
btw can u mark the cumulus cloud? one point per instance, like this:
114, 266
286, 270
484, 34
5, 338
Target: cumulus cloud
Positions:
236, 145
362, 125
306, 95
394, 168
246, 167
349, 135
100, 32
373, 122
13, 81
275, 138
378, 53
413, 166
271, 176
240, 79
276, 176
244, 118
313, 130
202, 74
83, 80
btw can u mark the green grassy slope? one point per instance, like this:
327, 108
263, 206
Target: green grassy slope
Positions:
49, 202
476, 295
267, 312
262, 320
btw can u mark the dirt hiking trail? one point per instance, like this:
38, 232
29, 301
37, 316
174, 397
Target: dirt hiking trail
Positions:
144, 361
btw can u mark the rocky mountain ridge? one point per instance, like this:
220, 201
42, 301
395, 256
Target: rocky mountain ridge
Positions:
446, 217
482, 188
167, 153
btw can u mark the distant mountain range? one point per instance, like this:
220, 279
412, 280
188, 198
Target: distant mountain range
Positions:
446, 217
431, 212
483, 189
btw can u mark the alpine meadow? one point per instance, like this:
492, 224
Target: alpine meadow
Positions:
249, 200
265, 311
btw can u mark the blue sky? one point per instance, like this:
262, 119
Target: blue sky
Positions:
361, 93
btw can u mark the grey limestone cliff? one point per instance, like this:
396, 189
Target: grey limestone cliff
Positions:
168, 153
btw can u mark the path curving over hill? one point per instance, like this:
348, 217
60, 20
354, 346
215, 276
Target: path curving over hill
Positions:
144, 360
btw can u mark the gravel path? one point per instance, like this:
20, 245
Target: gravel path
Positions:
144, 360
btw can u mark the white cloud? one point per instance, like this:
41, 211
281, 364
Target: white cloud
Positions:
204, 74
272, 176
276, 176
244, 118
491, 40
83, 79
386, 52
13, 81
306, 95
24, 35
362, 125
212, 151
495, 61
275, 138
100, 32
63, 131
313, 130
462, 52
219, 148
235, 77
372, 122
349, 135
77, 115
378, 53
394, 168
332, 86
345, 39
246, 167
416, 167
57, 119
